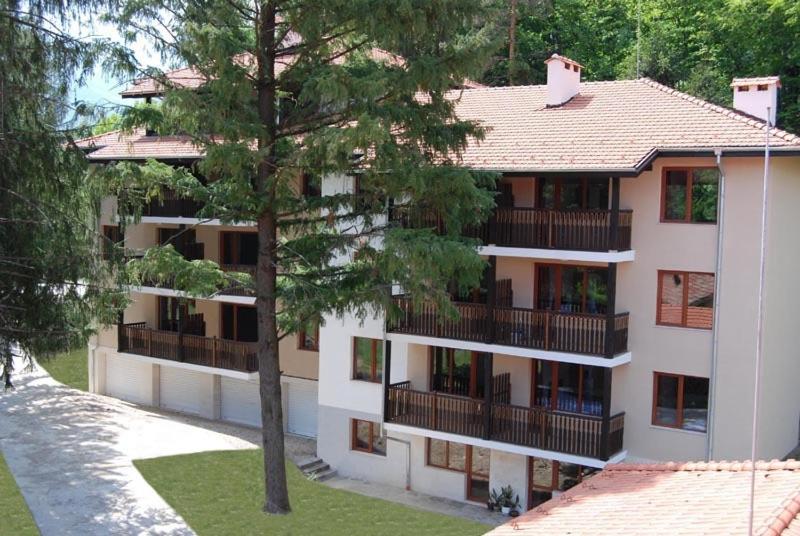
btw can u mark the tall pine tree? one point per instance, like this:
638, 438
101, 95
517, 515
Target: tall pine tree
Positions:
361, 89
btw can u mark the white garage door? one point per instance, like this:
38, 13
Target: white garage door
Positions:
186, 391
129, 379
240, 402
302, 408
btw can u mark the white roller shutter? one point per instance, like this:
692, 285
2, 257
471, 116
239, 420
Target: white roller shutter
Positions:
240, 402
129, 379
187, 391
301, 408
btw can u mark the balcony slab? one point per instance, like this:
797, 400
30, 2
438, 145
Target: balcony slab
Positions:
505, 447
179, 220
224, 298
559, 254
190, 366
516, 351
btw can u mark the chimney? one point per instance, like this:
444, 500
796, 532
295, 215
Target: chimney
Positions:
753, 95
563, 79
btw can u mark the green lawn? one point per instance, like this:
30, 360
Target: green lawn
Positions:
222, 493
70, 368
16, 518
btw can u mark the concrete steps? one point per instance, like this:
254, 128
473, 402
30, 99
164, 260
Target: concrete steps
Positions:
316, 469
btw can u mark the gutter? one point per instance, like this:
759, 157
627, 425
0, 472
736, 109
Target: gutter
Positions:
712, 379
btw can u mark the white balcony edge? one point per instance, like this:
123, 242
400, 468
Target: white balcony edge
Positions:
179, 220
190, 366
529, 353
505, 447
559, 254
223, 298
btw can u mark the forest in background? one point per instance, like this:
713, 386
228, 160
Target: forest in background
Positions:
695, 46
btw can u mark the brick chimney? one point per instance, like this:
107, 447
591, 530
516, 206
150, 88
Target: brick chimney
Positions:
753, 95
563, 79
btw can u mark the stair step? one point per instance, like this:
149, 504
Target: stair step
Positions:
327, 474
317, 467
310, 462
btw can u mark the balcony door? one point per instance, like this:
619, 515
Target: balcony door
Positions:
567, 387
457, 372
239, 248
571, 289
569, 193
239, 322
174, 311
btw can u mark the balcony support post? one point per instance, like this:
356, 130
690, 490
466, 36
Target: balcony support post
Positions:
490, 282
387, 378
605, 424
613, 234
179, 349
488, 384
611, 308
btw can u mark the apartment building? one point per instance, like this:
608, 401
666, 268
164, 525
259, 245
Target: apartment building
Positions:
619, 311
617, 319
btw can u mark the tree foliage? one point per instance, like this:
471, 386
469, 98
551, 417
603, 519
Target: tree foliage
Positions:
319, 88
51, 279
696, 47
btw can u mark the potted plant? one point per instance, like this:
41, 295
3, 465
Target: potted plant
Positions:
505, 500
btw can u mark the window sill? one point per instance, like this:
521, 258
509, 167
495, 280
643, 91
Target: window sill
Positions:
682, 328
682, 430
308, 349
373, 382
447, 469
370, 454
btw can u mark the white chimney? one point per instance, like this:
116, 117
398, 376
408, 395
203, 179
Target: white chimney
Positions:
753, 95
563, 79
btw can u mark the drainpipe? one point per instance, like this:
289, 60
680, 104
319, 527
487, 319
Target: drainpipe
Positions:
712, 378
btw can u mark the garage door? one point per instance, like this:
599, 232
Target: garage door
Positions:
186, 391
129, 379
302, 409
240, 402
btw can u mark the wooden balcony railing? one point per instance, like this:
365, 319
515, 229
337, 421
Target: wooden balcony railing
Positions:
576, 333
138, 339
569, 433
172, 206
585, 230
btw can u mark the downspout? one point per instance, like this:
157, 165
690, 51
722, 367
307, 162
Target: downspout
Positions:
712, 378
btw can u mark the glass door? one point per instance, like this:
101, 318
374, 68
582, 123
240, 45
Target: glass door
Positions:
478, 459
571, 289
458, 372
569, 193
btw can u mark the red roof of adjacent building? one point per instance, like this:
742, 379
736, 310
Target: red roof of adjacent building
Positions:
679, 499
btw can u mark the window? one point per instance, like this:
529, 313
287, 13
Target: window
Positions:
546, 476
457, 372
367, 437
308, 336
311, 186
685, 299
179, 314
112, 235
568, 387
474, 461
237, 248
689, 195
239, 322
367, 359
572, 193
680, 401
571, 289
447, 455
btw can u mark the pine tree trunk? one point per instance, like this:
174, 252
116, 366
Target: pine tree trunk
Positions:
512, 42
276, 491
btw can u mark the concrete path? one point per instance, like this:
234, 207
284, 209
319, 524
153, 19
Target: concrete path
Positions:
70, 453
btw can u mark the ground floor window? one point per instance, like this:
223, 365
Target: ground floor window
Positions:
367, 437
680, 401
474, 461
546, 476
367, 359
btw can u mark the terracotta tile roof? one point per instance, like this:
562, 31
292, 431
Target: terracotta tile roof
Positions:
614, 125
136, 145
681, 499
758, 80
564, 59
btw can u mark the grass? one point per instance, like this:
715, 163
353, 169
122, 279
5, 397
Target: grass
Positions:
70, 368
220, 493
17, 518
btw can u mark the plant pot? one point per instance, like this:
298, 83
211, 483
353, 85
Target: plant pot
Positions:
506, 510
490, 506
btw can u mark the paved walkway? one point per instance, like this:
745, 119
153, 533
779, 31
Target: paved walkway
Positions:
70, 453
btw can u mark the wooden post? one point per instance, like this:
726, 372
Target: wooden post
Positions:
149, 342
490, 276
605, 424
387, 379
613, 235
611, 293
180, 333
215, 350
488, 388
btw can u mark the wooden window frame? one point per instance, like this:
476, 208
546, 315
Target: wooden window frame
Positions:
679, 400
469, 472
447, 467
554, 365
373, 361
372, 435
306, 187
684, 299
690, 180
237, 246
559, 281
236, 307
301, 337
449, 355
556, 467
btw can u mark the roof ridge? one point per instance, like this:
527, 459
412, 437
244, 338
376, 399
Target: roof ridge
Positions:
786, 513
728, 112
724, 465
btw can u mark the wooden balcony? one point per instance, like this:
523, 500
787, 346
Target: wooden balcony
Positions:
138, 339
512, 326
582, 230
172, 206
568, 433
